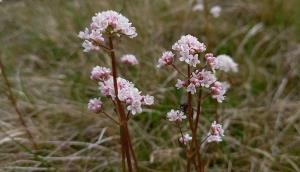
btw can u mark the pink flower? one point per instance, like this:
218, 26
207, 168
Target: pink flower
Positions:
188, 47
129, 59
91, 40
216, 133
127, 93
203, 78
100, 73
104, 22
211, 61
95, 105
218, 89
166, 59
177, 116
185, 139
113, 22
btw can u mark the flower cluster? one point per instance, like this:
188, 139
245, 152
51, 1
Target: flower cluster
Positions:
105, 22
226, 64
189, 50
129, 59
188, 47
175, 116
95, 105
222, 62
216, 133
218, 89
166, 59
185, 139
215, 11
202, 78
127, 93
100, 73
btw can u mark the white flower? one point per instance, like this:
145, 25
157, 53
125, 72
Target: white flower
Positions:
129, 59
216, 133
185, 139
175, 115
226, 63
198, 7
215, 11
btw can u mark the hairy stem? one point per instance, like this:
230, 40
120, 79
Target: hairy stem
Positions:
14, 103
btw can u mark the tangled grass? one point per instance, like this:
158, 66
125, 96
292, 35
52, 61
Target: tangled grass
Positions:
49, 74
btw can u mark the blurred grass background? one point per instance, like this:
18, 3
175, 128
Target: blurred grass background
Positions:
50, 76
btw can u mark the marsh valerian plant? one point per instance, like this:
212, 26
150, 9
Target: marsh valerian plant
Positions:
126, 98
200, 77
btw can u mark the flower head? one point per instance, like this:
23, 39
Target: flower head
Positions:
215, 11
175, 115
147, 100
185, 139
102, 23
218, 89
100, 73
188, 47
216, 133
95, 105
226, 63
198, 7
166, 59
129, 59
211, 61
113, 22
127, 93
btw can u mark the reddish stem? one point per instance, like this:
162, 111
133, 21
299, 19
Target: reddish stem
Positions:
120, 110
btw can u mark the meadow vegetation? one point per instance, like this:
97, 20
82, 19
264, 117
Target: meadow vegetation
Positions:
49, 73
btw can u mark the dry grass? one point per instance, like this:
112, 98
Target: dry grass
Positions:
50, 73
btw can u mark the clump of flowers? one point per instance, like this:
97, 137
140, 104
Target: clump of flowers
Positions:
125, 97
201, 77
215, 10
129, 59
216, 133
